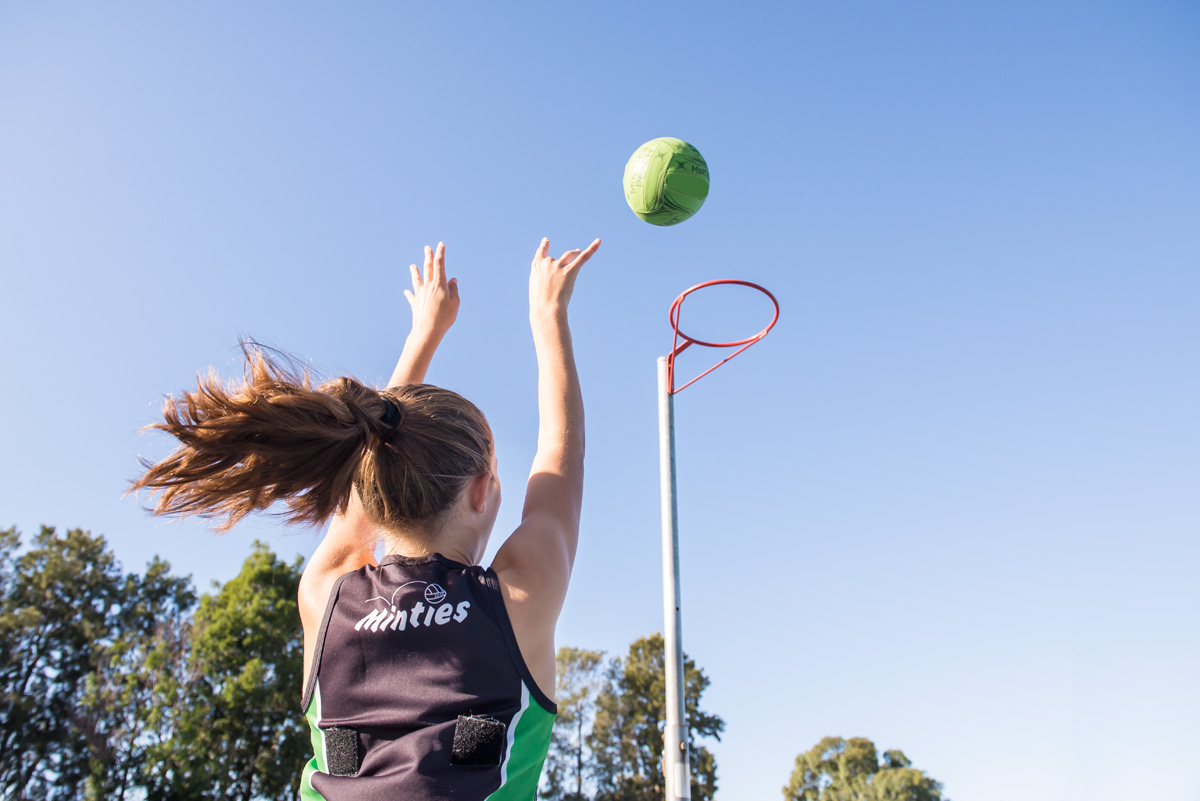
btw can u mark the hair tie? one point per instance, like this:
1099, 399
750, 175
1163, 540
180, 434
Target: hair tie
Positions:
391, 416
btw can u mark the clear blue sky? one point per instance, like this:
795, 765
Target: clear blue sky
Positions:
950, 504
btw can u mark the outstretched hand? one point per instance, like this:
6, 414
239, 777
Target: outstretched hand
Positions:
551, 281
433, 299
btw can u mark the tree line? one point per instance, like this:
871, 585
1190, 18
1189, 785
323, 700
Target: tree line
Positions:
119, 685
607, 743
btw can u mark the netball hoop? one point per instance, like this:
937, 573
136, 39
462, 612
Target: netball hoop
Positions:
677, 349
675, 753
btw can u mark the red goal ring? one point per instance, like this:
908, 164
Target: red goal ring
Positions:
677, 348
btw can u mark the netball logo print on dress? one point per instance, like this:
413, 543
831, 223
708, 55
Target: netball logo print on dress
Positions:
391, 617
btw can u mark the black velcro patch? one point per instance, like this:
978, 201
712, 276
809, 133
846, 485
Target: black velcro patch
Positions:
341, 748
478, 741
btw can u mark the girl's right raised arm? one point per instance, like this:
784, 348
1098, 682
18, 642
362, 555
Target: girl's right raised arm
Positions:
534, 564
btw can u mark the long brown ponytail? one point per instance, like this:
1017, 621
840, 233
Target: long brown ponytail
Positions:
275, 438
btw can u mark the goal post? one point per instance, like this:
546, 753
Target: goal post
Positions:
676, 759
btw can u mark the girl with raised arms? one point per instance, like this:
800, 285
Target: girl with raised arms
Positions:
427, 676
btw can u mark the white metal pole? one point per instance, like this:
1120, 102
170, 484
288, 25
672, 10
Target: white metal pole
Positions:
675, 755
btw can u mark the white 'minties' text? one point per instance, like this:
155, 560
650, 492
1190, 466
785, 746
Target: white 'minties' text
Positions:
393, 619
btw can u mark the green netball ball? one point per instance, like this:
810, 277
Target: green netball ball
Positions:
666, 181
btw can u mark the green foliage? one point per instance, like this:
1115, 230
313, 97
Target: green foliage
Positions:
110, 686
850, 770
626, 740
578, 684
239, 729
124, 698
61, 606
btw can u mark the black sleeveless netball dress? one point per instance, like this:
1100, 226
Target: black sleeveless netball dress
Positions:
418, 691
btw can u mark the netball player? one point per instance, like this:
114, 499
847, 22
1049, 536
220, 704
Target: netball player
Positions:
427, 676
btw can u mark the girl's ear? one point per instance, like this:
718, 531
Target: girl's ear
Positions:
478, 490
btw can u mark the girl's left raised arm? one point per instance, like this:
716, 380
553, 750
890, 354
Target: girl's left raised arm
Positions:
351, 538
434, 302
